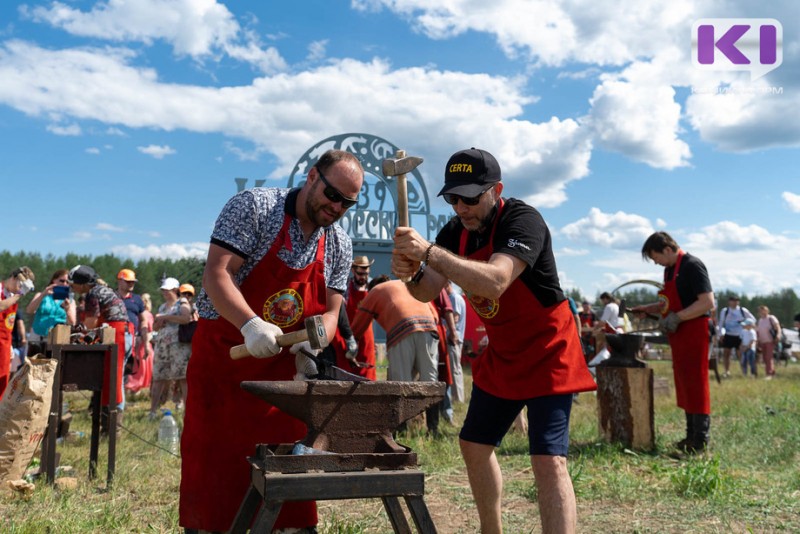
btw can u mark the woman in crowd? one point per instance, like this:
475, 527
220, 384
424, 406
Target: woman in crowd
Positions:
143, 374
51, 306
768, 332
18, 284
171, 356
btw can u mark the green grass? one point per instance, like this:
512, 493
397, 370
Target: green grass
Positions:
748, 481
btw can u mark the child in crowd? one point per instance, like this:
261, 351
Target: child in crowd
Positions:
748, 347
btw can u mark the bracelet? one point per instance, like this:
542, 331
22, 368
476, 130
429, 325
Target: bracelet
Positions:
428, 253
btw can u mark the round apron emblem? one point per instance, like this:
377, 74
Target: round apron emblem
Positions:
663, 304
486, 308
284, 308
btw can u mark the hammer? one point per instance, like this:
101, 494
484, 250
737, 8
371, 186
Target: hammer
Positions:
314, 332
399, 166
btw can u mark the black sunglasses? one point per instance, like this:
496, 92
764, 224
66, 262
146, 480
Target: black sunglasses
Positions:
452, 198
333, 194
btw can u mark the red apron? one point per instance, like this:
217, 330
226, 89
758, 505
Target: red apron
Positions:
689, 346
7, 316
533, 351
223, 423
120, 327
366, 343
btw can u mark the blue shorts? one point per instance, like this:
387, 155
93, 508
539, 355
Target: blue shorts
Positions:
489, 418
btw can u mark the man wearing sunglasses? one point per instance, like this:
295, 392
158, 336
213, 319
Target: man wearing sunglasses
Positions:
500, 253
275, 258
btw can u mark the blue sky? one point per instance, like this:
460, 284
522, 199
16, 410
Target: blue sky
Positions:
124, 123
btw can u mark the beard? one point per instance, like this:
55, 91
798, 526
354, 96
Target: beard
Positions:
316, 211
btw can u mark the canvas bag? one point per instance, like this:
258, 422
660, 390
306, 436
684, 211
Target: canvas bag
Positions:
24, 410
186, 331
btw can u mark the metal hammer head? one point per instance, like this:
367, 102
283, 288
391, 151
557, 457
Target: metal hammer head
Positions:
398, 166
317, 335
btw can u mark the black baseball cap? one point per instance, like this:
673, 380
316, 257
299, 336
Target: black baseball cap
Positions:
469, 172
82, 274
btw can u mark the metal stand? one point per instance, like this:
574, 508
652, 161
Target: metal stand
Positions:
270, 490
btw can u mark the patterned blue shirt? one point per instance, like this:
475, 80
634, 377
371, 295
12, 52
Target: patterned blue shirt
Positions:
250, 222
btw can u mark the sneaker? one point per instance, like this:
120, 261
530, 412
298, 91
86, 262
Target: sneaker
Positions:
179, 406
768, 377
152, 416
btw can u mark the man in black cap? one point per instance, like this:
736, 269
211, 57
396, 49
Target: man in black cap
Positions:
500, 253
103, 305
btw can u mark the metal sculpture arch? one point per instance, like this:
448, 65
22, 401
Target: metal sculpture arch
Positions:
374, 218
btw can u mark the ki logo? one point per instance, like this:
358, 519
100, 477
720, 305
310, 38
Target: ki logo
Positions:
754, 45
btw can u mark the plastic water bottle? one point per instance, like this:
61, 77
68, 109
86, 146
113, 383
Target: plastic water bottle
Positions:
168, 433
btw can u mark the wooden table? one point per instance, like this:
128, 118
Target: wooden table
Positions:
81, 367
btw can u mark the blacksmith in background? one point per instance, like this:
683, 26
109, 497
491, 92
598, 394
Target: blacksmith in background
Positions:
500, 253
684, 305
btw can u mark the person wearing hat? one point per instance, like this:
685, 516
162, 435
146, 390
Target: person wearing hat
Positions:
103, 305
170, 356
276, 258
126, 280
685, 304
748, 347
357, 354
730, 326
499, 251
18, 284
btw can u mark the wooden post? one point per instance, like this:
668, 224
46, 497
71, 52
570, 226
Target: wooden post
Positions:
625, 406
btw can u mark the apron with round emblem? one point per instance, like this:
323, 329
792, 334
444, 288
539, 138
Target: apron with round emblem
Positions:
533, 350
223, 423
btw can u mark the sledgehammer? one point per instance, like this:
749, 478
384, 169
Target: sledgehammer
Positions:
314, 332
398, 167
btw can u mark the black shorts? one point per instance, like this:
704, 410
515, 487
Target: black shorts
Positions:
730, 341
489, 418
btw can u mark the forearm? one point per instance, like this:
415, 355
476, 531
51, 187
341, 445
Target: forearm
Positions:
10, 301
226, 296
33, 305
701, 306
485, 279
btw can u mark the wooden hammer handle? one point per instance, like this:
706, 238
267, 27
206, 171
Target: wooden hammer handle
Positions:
284, 340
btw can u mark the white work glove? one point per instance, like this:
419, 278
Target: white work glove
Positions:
260, 337
25, 287
304, 365
352, 349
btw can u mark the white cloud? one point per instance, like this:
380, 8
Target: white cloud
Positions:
792, 201
157, 151
71, 130
615, 230
729, 236
106, 227
317, 50
93, 150
280, 114
197, 28
640, 121
116, 132
170, 250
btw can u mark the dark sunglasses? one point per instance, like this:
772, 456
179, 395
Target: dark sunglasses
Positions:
333, 194
452, 198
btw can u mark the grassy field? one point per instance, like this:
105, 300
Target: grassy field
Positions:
749, 480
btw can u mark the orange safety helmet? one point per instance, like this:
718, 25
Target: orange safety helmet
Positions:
127, 274
186, 288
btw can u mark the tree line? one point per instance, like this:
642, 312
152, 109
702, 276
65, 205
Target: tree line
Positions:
149, 272
784, 304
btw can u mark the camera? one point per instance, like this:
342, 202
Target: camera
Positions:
61, 292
